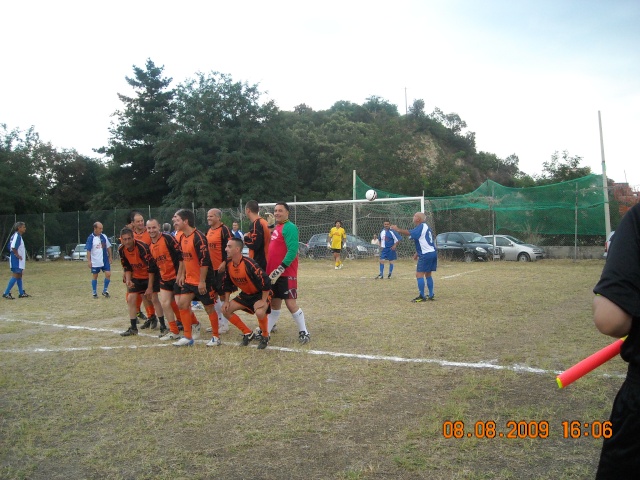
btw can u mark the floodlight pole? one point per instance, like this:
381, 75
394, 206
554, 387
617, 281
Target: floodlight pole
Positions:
605, 185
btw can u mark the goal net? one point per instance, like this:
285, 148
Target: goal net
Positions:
360, 218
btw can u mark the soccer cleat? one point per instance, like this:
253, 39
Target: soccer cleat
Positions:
432, 297
24, 295
389, 276
214, 342
246, 339
163, 331
105, 294
179, 323
264, 341
147, 323
380, 277
8, 296
223, 328
257, 334
154, 322
304, 337
170, 336
141, 317
195, 329
274, 328
184, 342
337, 268
95, 296
130, 331
340, 266
419, 299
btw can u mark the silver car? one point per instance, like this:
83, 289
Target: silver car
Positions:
515, 249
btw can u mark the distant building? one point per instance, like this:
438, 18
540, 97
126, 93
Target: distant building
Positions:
626, 196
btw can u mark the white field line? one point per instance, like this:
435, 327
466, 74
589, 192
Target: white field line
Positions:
489, 365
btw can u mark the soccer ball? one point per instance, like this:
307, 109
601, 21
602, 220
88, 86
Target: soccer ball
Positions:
371, 195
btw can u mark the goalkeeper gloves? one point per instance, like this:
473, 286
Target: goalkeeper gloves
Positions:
275, 275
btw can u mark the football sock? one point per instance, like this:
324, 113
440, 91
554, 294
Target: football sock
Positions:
176, 310
298, 317
107, 281
221, 319
94, 286
390, 268
235, 319
264, 324
19, 283
185, 318
150, 309
173, 326
430, 286
382, 269
12, 282
213, 319
273, 319
162, 324
134, 323
421, 286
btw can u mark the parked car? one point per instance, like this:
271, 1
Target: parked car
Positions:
79, 252
318, 247
467, 246
607, 244
52, 253
515, 249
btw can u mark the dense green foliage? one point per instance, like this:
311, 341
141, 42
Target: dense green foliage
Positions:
212, 141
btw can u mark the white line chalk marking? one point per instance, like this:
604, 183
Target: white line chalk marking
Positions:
487, 365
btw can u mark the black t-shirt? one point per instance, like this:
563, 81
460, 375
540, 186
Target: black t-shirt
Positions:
620, 280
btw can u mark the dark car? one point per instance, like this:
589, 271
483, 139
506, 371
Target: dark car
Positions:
467, 246
52, 253
318, 247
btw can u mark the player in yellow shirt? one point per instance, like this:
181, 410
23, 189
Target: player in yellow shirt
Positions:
337, 240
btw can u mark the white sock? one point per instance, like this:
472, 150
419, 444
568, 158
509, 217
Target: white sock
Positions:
221, 318
272, 319
298, 317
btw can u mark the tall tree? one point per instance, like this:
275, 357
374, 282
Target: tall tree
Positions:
133, 140
562, 167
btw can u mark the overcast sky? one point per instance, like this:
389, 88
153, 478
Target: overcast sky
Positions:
528, 76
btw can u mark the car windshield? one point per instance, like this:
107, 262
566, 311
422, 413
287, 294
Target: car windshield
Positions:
515, 240
53, 249
473, 237
80, 248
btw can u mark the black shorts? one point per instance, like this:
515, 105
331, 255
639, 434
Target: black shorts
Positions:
620, 456
214, 278
208, 298
248, 301
169, 285
140, 285
336, 250
285, 288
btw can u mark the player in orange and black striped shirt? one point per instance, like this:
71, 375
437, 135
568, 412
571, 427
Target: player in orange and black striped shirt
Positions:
255, 291
258, 237
141, 276
217, 237
165, 250
140, 233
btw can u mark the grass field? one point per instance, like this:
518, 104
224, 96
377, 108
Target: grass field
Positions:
366, 399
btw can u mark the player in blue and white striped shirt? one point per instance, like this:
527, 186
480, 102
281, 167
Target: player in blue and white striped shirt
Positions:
17, 261
426, 255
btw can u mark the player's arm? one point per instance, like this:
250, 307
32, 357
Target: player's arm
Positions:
254, 238
609, 318
401, 231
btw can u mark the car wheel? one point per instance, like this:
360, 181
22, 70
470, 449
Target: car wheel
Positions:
523, 257
469, 257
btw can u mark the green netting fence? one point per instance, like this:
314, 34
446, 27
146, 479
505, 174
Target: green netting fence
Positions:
550, 214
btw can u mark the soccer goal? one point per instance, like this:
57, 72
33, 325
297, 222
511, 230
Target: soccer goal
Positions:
360, 218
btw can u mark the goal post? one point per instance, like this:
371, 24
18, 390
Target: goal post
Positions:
361, 218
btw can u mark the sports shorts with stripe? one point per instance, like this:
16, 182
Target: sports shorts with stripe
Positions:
248, 301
